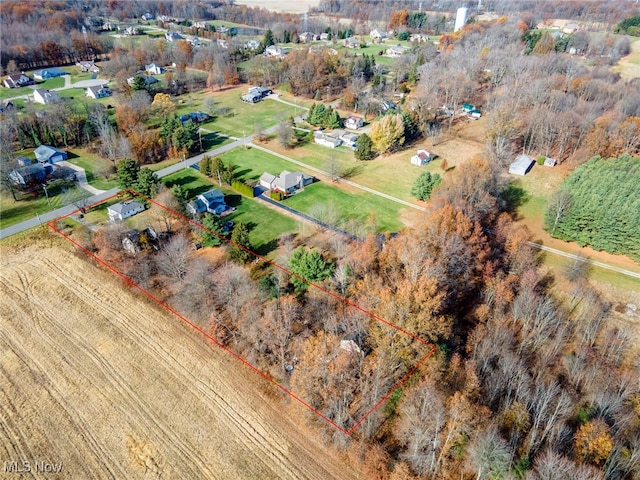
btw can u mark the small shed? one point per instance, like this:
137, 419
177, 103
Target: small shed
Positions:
521, 165
550, 162
422, 157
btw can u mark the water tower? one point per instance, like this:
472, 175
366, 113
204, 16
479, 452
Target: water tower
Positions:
461, 18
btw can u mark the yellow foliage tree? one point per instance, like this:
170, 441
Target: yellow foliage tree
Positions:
593, 442
387, 133
163, 105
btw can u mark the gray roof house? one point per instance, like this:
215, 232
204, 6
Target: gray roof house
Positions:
522, 165
326, 140
45, 97
98, 91
211, 201
122, 210
48, 154
28, 174
18, 80
286, 182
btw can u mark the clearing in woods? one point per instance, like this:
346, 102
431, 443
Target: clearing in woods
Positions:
134, 392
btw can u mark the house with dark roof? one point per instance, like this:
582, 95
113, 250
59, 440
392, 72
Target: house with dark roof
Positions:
352, 42
18, 80
172, 36
6, 106
47, 73
29, 174
48, 154
99, 91
286, 182
122, 210
211, 201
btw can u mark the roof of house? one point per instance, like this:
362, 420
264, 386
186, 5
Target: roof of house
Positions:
267, 177
45, 152
123, 208
97, 89
30, 170
197, 205
16, 76
317, 135
522, 163
287, 180
212, 196
56, 72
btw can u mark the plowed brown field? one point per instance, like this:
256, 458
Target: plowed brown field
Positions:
111, 386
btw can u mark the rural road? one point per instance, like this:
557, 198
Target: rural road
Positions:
46, 217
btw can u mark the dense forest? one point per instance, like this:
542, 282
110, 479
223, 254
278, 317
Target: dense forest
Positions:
525, 380
599, 205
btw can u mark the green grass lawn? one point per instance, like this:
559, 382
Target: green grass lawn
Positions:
98, 169
12, 212
240, 118
50, 83
266, 225
360, 205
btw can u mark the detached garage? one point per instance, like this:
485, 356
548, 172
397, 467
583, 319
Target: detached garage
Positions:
522, 165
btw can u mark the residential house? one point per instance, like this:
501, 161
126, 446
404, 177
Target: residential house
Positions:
255, 94
172, 36
211, 201
353, 123
100, 91
386, 105
396, 51
24, 161
28, 174
6, 106
108, 26
521, 165
419, 38
88, 66
274, 51
349, 139
467, 107
194, 41
47, 73
352, 42
287, 182
222, 43
324, 36
18, 80
326, 140
130, 31
195, 117
306, 37
147, 17
135, 241
202, 25
122, 210
378, 36
48, 154
153, 69
422, 157
252, 45
45, 97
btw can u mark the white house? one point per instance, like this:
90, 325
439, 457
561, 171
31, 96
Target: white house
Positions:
274, 51
349, 139
122, 210
352, 42
88, 66
422, 157
100, 91
353, 123
521, 165
49, 154
326, 140
378, 36
172, 36
286, 182
324, 36
252, 45
307, 37
153, 69
419, 37
395, 52
18, 80
45, 97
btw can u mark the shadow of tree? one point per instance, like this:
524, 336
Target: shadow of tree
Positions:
514, 197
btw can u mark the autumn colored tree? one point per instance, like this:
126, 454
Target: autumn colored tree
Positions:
593, 442
387, 134
399, 18
162, 105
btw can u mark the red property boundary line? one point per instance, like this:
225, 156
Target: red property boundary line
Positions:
128, 281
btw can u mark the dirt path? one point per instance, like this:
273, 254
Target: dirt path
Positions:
99, 379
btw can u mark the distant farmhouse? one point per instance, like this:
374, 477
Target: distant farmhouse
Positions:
211, 201
121, 210
286, 182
